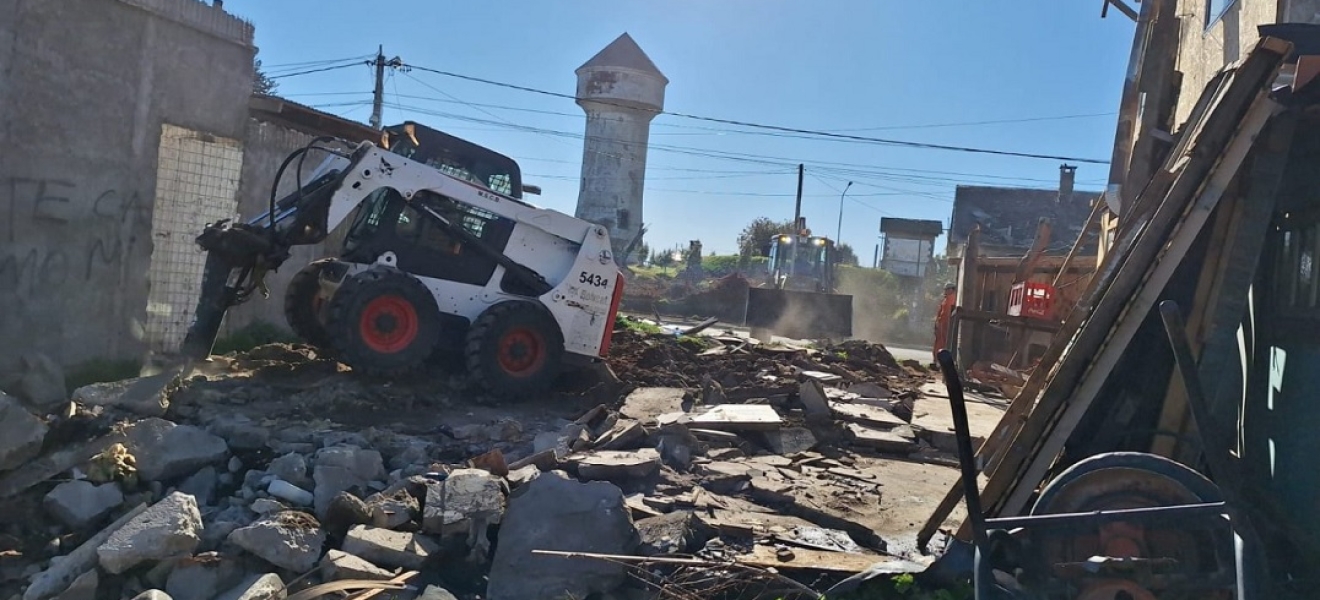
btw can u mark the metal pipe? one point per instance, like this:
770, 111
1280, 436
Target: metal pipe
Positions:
966, 456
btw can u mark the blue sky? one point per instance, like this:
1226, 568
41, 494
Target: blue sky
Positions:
933, 71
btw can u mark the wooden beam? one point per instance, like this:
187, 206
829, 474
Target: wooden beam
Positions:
981, 316
1077, 244
1122, 7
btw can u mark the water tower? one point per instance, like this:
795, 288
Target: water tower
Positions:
621, 90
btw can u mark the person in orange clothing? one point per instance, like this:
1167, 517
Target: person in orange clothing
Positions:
942, 318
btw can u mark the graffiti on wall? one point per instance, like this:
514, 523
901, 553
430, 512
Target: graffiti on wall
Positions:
85, 233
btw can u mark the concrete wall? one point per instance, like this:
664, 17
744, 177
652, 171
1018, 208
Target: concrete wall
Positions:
1203, 51
85, 88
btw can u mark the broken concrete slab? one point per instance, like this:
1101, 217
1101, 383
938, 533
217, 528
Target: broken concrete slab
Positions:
899, 440
870, 390
82, 588
240, 431
435, 592
257, 587
345, 511
201, 485
203, 577
465, 497
21, 433
866, 415
645, 405
739, 417
932, 418
168, 529
79, 504
141, 395
613, 465
291, 467
554, 512
42, 383
342, 468
678, 532
342, 565
391, 511
390, 548
289, 540
624, 435
521, 476
790, 440
164, 450
814, 399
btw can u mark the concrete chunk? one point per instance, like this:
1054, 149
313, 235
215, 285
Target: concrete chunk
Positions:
553, 512
342, 565
79, 504
389, 548
170, 528
739, 417
82, 588
164, 450
611, 465
466, 496
289, 540
899, 440
647, 404
141, 395
257, 587
341, 468
21, 434
203, 578
814, 400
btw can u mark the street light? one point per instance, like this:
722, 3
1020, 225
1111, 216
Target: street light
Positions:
839, 233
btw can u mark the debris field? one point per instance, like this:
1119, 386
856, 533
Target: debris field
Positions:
778, 471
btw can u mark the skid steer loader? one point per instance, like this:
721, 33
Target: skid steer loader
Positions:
441, 255
797, 298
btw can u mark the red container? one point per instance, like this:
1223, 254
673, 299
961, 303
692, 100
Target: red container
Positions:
1032, 300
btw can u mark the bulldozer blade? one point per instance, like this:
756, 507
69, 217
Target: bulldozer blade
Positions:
802, 315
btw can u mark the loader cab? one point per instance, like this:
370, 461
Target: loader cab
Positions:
801, 263
455, 157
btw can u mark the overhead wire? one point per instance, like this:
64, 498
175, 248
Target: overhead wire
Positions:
780, 128
310, 71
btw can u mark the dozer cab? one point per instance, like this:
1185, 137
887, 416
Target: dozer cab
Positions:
798, 297
441, 255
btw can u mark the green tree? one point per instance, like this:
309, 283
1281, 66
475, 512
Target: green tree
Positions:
662, 259
757, 234
643, 253
847, 256
262, 83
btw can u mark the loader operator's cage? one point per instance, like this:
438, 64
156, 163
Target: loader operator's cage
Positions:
802, 263
455, 157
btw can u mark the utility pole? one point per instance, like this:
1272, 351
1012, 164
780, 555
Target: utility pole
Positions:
797, 209
378, 98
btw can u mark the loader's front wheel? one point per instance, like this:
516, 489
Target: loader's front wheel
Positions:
383, 322
515, 348
303, 303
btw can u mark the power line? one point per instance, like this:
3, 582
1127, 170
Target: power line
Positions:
313, 63
782, 129
975, 123
310, 71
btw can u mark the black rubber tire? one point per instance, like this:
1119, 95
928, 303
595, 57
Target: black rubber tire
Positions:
499, 335
366, 311
300, 310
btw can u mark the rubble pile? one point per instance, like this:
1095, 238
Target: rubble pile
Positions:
274, 472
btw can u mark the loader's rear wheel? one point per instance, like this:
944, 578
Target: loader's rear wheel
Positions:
515, 348
382, 322
303, 303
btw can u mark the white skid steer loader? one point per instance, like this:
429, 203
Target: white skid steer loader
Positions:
435, 261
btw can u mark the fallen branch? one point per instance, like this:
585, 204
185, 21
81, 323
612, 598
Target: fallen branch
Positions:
367, 588
634, 561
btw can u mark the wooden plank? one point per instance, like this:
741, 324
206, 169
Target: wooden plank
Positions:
981, 316
1125, 324
961, 342
818, 560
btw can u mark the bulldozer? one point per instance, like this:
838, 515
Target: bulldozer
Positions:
441, 255
798, 297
